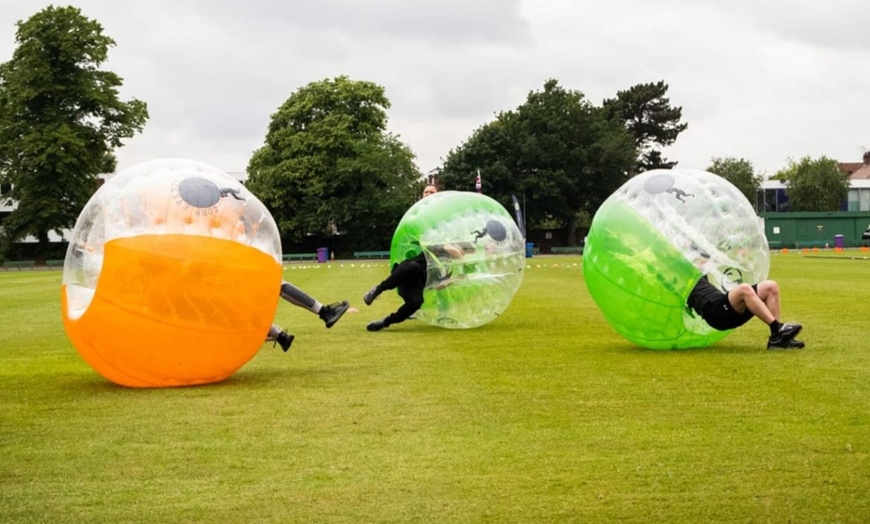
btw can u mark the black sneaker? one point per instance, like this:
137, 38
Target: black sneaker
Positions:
371, 295
284, 339
785, 335
377, 325
790, 330
332, 313
791, 344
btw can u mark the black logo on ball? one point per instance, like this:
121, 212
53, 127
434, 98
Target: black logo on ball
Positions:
202, 194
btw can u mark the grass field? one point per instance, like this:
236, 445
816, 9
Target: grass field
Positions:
545, 415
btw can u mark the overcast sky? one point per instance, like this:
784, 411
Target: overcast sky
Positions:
764, 80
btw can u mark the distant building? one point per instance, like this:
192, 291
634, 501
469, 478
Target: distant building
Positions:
772, 197
857, 170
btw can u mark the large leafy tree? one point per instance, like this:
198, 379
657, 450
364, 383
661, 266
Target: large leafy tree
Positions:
564, 155
739, 172
328, 166
60, 120
814, 184
651, 120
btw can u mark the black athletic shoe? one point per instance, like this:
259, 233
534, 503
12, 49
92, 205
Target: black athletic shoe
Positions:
284, 339
785, 335
791, 344
332, 313
377, 325
790, 330
371, 295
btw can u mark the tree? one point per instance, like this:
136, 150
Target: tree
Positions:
739, 172
814, 185
329, 167
564, 155
60, 120
649, 117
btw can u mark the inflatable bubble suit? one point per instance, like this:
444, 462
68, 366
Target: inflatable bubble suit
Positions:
654, 238
172, 276
474, 253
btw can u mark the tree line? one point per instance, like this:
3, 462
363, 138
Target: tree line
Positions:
328, 165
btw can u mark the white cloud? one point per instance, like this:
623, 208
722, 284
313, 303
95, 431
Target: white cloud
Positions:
763, 80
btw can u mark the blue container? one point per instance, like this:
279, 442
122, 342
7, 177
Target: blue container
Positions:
839, 241
530, 249
322, 254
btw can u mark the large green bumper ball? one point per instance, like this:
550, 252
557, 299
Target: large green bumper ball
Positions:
652, 240
474, 253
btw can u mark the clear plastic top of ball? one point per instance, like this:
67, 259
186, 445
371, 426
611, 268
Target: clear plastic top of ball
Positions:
165, 197
706, 218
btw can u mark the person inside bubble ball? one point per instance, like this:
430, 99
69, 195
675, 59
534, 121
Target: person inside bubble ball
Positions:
229, 222
729, 310
330, 314
409, 277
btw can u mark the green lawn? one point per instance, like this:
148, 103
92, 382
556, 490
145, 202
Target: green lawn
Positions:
545, 415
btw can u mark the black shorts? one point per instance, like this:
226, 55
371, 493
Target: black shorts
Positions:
721, 316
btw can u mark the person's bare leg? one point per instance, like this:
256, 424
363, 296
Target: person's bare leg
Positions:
743, 297
768, 291
765, 306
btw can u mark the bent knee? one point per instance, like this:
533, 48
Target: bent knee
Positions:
767, 288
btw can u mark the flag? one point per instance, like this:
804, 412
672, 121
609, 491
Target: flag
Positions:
519, 214
477, 183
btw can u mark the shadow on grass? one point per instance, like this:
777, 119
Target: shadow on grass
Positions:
722, 348
90, 383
